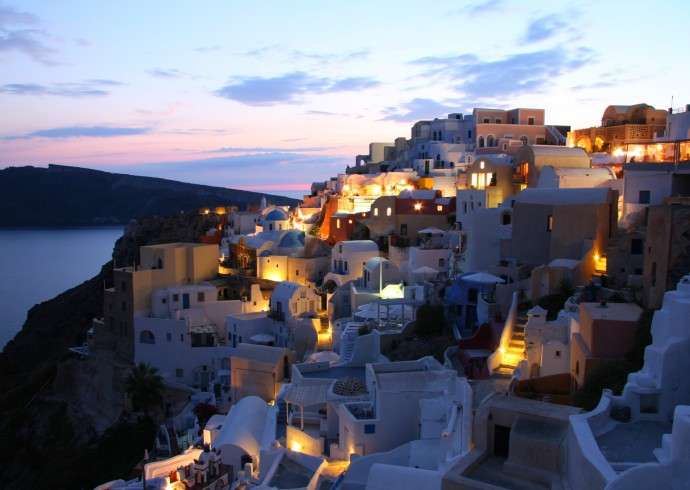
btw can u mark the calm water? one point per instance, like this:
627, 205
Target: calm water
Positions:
38, 264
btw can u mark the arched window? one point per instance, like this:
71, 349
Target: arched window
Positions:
147, 337
481, 142
490, 140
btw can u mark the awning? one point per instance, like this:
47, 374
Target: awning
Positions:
308, 392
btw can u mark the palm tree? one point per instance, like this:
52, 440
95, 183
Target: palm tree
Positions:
144, 387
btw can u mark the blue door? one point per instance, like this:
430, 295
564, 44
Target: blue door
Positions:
185, 301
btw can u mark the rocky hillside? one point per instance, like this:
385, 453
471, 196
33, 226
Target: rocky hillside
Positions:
72, 196
61, 419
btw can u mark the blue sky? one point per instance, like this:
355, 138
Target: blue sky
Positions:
274, 95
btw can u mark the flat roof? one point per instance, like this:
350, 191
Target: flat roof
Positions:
337, 372
261, 353
624, 312
633, 442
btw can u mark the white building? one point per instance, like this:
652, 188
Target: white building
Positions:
184, 334
348, 258
246, 435
419, 417
641, 439
575, 178
291, 321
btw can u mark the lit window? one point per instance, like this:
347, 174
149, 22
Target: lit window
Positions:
337, 223
549, 223
349, 221
474, 180
417, 206
389, 211
439, 208
481, 165
376, 211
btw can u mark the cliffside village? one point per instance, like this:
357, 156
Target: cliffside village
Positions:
432, 317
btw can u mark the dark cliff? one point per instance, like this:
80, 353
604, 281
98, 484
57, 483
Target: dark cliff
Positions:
73, 196
62, 423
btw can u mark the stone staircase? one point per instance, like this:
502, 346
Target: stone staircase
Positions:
516, 350
347, 342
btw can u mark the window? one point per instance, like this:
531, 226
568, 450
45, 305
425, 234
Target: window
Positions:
524, 139
147, 337
469, 134
487, 120
164, 300
345, 265
558, 354
200, 296
645, 197
376, 211
498, 121
441, 262
370, 428
179, 373
490, 140
549, 222
530, 121
181, 337
389, 211
439, 208
168, 337
337, 223
577, 367
403, 229
297, 272
636, 246
480, 142
176, 298
506, 218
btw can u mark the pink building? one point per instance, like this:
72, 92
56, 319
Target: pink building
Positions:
497, 129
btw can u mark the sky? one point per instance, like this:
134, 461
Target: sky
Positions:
271, 96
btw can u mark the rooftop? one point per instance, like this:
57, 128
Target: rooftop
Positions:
337, 372
563, 196
624, 312
633, 442
261, 353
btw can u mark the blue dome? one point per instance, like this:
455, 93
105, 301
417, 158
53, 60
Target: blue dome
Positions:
276, 215
292, 239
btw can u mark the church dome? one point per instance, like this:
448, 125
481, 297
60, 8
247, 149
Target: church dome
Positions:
276, 214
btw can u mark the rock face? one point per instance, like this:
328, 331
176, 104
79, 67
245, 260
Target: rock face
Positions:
72, 196
56, 407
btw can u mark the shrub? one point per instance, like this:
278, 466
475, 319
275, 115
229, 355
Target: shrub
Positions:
431, 320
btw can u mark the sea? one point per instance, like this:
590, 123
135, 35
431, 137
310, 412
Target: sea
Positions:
37, 264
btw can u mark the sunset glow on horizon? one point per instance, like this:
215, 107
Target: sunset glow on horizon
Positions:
207, 95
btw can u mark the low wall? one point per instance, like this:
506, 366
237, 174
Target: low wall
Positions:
302, 442
587, 467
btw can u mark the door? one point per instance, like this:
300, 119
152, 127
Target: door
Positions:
501, 441
185, 301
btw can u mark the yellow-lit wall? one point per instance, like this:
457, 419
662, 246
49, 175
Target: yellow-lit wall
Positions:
273, 267
301, 442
